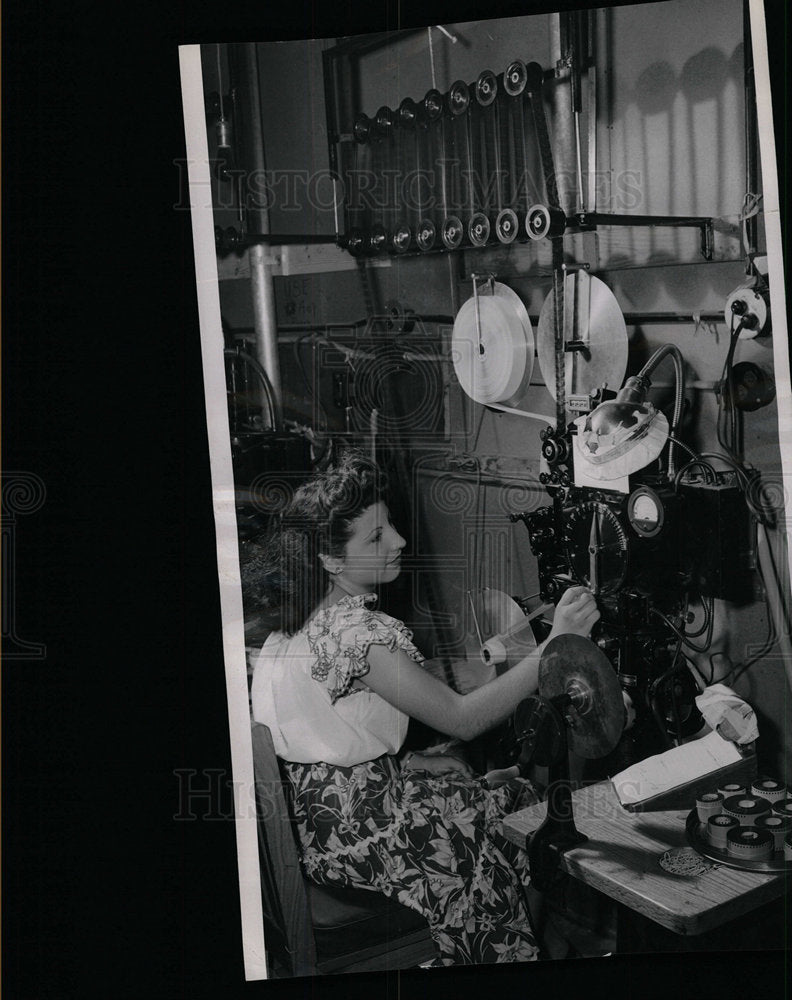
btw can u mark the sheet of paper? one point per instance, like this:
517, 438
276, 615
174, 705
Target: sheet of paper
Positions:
673, 768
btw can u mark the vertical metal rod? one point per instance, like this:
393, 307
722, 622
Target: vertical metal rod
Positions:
475, 618
579, 165
261, 284
751, 163
591, 113
563, 131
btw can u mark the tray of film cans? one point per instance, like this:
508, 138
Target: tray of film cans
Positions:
744, 827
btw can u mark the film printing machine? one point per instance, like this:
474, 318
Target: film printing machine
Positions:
633, 513
653, 528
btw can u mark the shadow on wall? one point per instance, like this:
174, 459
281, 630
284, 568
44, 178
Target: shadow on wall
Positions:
681, 151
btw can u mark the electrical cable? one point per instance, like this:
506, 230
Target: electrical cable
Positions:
699, 461
682, 445
726, 393
740, 668
248, 359
653, 697
311, 391
682, 636
709, 610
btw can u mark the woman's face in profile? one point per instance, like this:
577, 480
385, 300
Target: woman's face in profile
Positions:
373, 552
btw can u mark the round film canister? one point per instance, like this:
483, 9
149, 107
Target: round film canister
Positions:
778, 826
717, 829
746, 808
749, 843
783, 807
708, 804
732, 789
770, 789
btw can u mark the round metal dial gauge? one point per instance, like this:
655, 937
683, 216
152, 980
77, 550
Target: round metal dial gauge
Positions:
645, 512
596, 547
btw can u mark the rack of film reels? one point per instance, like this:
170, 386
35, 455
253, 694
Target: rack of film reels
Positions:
467, 168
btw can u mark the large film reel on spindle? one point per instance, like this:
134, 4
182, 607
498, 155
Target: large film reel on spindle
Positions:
593, 321
492, 346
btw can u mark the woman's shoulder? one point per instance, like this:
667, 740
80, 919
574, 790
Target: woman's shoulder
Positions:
340, 635
352, 614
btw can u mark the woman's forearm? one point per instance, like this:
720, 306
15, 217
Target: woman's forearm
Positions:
495, 701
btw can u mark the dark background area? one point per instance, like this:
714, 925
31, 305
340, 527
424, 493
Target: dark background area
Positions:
105, 892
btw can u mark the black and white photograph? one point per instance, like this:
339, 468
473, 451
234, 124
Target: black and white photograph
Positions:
396, 483
497, 386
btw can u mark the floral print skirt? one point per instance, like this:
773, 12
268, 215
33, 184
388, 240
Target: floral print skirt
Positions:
431, 841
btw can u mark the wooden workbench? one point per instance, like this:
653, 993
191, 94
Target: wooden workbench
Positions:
621, 859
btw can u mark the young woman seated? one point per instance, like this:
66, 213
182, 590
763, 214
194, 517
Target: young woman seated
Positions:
336, 683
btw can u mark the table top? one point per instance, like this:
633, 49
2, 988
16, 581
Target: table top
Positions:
621, 859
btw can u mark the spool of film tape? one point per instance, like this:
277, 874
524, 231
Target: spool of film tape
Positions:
732, 789
717, 829
777, 826
709, 804
746, 808
770, 789
788, 847
783, 807
749, 843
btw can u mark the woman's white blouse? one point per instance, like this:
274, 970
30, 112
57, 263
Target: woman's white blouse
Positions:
303, 686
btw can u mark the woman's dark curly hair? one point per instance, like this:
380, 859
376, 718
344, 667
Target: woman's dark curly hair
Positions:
283, 578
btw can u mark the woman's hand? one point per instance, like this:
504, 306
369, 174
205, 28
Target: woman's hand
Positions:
575, 613
437, 764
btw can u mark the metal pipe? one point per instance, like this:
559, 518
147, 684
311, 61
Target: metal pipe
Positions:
563, 128
248, 359
591, 113
751, 160
261, 284
285, 239
776, 604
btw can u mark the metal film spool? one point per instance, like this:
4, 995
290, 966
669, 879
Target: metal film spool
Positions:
408, 113
479, 229
458, 98
717, 829
778, 826
575, 672
402, 239
592, 317
515, 78
732, 788
492, 348
452, 232
426, 234
748, 842
543, 220
708, 804
746, 808
486, 88
506, 225
384, 121
783, 808
377, 239
770, 789
361, 129
433, 104
355, 241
